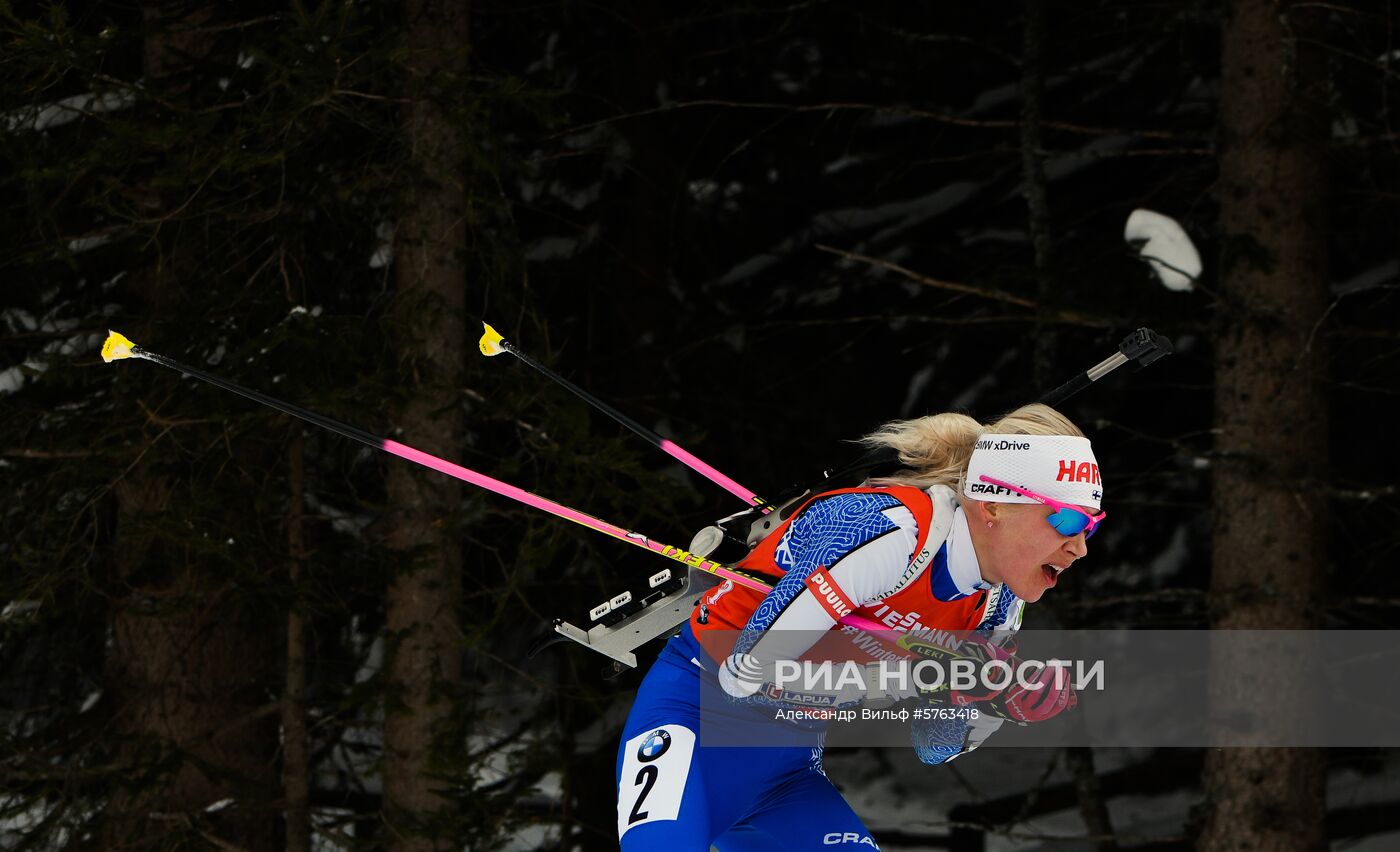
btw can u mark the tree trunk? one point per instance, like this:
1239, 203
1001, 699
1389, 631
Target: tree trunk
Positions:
296, 769
186, 669
1270, 520
429, 321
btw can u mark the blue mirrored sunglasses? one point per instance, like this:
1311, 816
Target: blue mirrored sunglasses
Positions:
1066, 519
1068, 522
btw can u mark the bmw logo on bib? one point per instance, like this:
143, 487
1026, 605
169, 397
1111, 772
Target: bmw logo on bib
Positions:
653, 746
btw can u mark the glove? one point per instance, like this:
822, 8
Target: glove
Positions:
1049, 696
1049, 692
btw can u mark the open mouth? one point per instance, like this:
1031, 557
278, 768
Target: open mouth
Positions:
1051, 572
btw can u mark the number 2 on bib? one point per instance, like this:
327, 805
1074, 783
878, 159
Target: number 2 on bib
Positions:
655, 767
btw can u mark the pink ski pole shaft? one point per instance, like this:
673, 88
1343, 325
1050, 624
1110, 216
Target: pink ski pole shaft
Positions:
118, 347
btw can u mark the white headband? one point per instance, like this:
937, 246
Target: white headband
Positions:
1057, 466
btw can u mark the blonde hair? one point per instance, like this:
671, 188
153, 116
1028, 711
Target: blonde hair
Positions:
936, 449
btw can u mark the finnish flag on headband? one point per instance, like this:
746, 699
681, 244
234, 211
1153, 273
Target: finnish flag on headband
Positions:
1061, 467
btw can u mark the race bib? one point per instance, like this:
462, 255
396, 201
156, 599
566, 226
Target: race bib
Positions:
654, 770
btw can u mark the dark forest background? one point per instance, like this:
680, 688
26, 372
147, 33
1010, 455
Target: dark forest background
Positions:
762, 230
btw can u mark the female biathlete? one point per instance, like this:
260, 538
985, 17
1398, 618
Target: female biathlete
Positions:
980, 521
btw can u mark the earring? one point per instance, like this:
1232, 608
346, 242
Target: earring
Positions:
990, 524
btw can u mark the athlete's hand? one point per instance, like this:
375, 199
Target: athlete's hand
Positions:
981, 650
1034, 692
1049, 695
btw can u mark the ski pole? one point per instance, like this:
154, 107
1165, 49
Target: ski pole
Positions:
117, 347
1143, 346
492, 344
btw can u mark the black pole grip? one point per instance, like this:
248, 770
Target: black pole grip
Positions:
1145, 346
1067, 390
